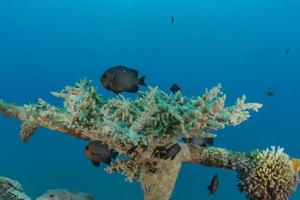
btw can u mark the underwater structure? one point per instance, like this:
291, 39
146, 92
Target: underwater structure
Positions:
156, 120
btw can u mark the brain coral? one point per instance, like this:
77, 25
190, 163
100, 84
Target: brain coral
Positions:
269, 175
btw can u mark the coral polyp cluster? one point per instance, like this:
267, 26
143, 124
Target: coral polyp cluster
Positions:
155, 121
269, 175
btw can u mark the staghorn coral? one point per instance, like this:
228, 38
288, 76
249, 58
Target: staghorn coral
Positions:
268, 175
11, 190
155, 119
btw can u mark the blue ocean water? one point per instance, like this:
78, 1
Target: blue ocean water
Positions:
46, 45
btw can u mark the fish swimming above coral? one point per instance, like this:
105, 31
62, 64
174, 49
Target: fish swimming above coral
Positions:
174, 88
271, 91
64, 194
122, 79
172, 19
97, 152
287, 51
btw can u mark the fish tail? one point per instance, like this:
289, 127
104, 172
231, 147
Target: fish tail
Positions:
142, 81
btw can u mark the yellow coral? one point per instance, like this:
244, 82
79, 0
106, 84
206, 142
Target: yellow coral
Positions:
269, 175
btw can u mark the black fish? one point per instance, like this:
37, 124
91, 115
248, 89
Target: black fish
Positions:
122, 79
214, 184
166, 153
287, 51
97, 152
172, 19
271, 92
175, 88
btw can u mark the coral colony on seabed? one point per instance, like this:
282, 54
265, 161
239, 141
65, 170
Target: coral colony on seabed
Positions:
150, 132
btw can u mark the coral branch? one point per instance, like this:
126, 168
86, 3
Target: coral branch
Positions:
135, 128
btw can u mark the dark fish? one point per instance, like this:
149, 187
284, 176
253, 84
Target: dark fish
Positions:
172, 19
287, 51
97, 152
214, 184
122, 79
166, 153
175, 88
271, 92
172, 151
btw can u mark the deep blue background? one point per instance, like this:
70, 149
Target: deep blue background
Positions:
45, 45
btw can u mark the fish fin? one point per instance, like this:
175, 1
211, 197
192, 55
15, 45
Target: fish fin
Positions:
136, 72
209, 141
142, 81
134, 89
96, 163
114, 154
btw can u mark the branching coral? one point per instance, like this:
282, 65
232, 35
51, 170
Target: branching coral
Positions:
153, 120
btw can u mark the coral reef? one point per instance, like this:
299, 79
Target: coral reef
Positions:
136, 128
268, 174
11, 190
63, 194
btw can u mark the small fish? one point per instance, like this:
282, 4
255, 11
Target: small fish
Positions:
287, 51
175, 88
166, 153
207, 139
214, 184
172, 19
271, 92
63, 194
97, 152
122, 79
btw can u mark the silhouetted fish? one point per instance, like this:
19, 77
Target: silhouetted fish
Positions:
287, 51
214, 184
172, 19
166, 153
175, 88
271, 92
97, 152
122, 79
